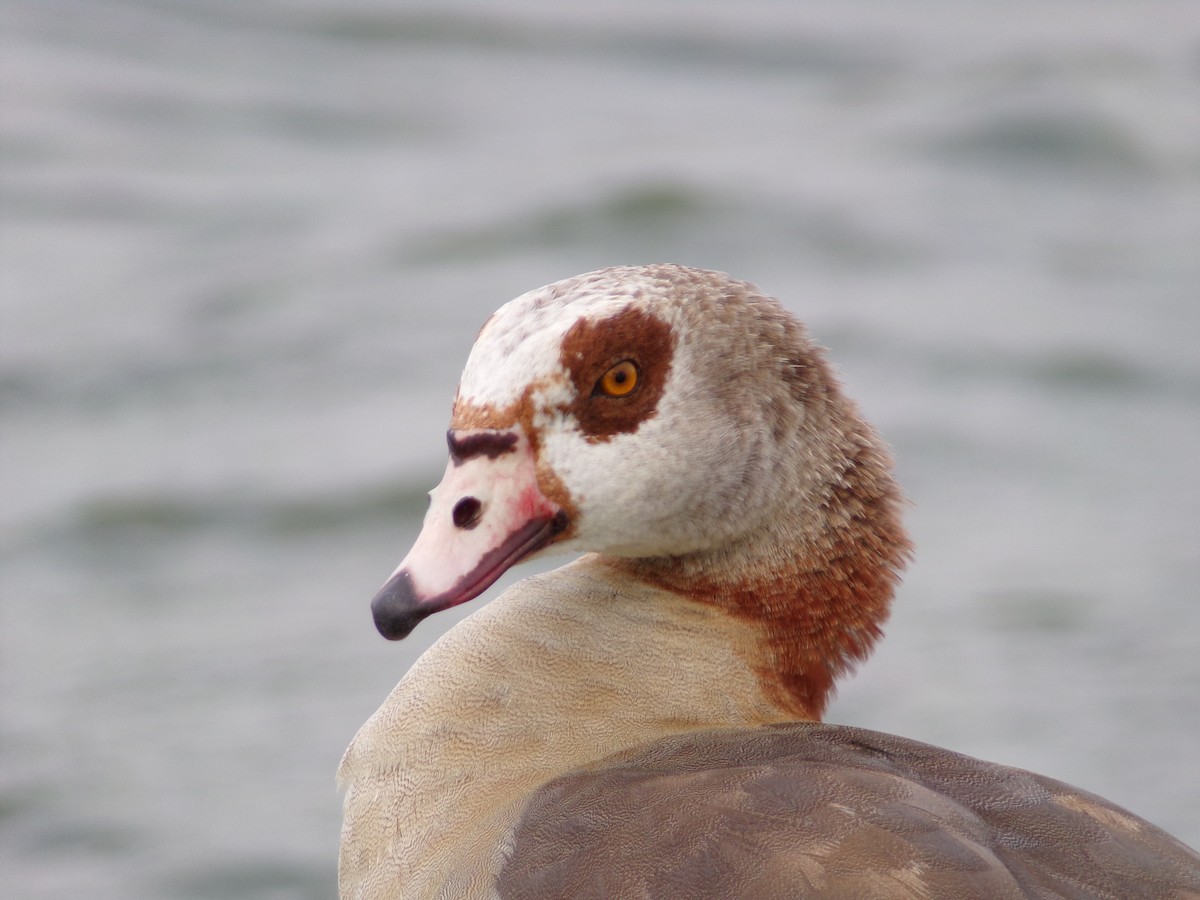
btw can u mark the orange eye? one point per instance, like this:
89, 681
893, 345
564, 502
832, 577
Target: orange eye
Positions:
618, 381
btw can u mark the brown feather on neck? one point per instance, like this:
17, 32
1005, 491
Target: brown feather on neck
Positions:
818, 578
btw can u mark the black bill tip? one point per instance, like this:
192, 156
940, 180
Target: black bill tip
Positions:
396, 609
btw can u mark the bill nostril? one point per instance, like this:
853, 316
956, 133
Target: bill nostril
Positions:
466, 513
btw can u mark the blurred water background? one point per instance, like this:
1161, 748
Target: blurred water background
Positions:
246, 247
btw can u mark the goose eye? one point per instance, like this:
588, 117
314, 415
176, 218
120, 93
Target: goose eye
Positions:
618, 381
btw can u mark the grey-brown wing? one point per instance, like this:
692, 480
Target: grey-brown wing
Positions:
812, 810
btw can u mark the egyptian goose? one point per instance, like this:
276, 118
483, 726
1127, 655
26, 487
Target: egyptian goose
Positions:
645, 721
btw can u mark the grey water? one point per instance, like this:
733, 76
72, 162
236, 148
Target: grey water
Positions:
245, 248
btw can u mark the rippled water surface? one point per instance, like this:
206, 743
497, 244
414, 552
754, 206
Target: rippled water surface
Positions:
246, 247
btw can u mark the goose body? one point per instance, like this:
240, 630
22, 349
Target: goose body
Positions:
645, 721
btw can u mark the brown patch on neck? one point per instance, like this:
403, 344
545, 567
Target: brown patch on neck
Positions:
821, 608
592, 346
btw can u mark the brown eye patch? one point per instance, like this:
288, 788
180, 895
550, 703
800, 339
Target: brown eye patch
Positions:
619, 366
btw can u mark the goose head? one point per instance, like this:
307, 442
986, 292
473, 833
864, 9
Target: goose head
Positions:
679, 423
